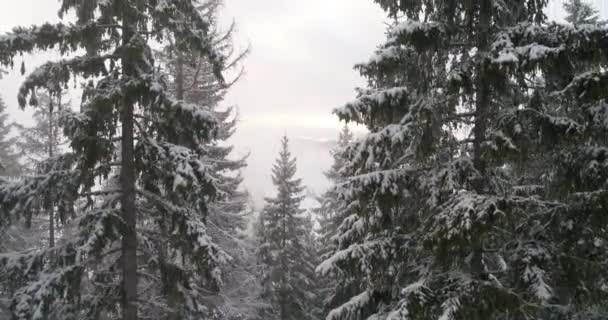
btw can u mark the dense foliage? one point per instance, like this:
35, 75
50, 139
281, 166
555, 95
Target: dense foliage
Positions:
135, 173
478, 192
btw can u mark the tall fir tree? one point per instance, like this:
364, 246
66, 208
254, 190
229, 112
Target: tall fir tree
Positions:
193, 81
136, 168
477, 193
9, 158
285, 248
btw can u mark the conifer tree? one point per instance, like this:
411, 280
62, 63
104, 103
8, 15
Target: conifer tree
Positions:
193, 81
44, 140
9, 159
477, 190
580, 12
330, 215
135, 168
41, 146
285, 248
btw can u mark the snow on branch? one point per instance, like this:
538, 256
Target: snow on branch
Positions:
590, 85
413, 295
465, 215
55, 75
362, 253
351, 309
527, 43
387, 54
370, 99
182, 18
422, 35
67, 37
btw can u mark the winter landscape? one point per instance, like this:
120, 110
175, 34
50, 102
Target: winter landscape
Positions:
222, 160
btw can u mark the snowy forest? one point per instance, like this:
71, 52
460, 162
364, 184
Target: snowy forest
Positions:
469, 174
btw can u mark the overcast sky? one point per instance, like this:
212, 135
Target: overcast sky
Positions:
300, 69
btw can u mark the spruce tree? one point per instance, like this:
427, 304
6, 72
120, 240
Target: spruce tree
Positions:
44, 140
9, 158
579, 12
285, 248
330, 215
193, 81
41, 146
135, 168
477, 193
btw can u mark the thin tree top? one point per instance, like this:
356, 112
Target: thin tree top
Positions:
285, 166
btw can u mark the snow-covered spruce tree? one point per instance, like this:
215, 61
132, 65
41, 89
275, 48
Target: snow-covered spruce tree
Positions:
40, 149
9, 158
138, 167
43, 140
41, 146
284, 249
330, 215
477, 193
193, 81
239, 296
579, 12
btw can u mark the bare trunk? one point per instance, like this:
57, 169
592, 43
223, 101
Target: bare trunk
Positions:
127, 182
284, 264
179, 77
479, 131
51, 141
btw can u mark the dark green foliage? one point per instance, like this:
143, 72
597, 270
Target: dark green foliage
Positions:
193, 81
472, 196
135, 170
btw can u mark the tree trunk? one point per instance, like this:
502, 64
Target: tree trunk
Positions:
173, 297
479, 131
127, 183
179, 77
51, 142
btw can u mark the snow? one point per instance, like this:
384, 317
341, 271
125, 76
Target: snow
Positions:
527, 53
387, 53
506, 57
409, 27
350, 308
598, 242
536, 279
385, 180
450, 307
358, 252
466, 209
370, 98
